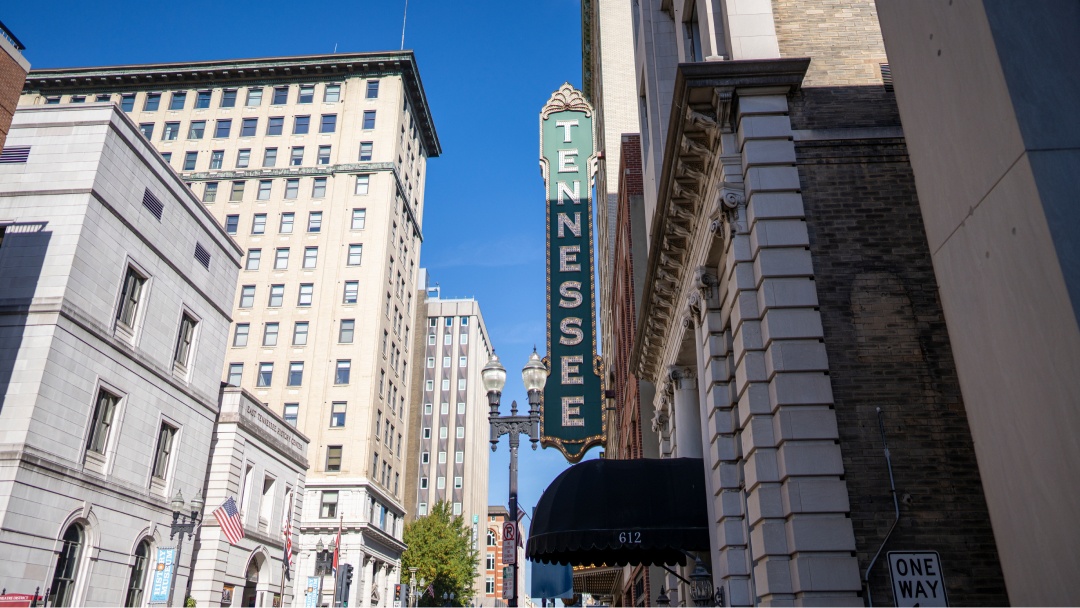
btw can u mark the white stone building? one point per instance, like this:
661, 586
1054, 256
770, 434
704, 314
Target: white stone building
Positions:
316, 165
260, 461
116, 287
454, 451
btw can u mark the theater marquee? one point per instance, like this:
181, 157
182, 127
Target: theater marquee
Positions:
571, 416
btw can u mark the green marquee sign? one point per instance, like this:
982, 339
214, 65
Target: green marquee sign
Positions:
571, 415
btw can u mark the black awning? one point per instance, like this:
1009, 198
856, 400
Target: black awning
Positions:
645, 511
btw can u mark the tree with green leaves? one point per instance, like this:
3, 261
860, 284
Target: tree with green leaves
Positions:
440, 547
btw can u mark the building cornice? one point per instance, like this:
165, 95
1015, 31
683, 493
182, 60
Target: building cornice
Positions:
238, 72
703, 109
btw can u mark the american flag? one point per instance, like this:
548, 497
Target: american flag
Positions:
228, 517
286, 528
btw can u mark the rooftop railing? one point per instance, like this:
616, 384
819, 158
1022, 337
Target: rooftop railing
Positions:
6, 33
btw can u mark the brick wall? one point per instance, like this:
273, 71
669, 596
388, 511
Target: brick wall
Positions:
12, 77
888, 347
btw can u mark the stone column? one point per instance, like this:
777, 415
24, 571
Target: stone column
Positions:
801, 540
364, 599
687, 411
661, 421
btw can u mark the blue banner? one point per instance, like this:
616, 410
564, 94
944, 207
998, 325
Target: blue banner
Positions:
311, 596
163, 575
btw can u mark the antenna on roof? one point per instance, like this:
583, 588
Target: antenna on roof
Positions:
335, 47
403, 18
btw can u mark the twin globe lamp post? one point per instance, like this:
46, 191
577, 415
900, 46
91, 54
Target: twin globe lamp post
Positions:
534, 375
183, 524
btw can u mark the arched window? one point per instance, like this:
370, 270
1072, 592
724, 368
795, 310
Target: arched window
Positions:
138, 575
67, 566
491, 538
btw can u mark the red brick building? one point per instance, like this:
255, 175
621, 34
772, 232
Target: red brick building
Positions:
13, 69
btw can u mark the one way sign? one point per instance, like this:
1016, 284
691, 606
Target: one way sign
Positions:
917, 578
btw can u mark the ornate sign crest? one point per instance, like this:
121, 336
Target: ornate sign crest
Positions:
571, 415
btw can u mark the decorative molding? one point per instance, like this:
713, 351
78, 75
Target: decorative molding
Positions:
567, 98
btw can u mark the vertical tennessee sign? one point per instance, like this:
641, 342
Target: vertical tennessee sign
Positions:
571, 415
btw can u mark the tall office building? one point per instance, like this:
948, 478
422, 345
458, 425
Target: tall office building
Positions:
453, 450
316, 166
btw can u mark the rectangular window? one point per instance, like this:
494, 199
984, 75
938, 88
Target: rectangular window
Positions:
426, 433
328, 503
429, 385
332, 93
362, 183
78, 99
164, 450
301, 124
249, 127
423, 483
306, 292
442, 432
286, 223
52, 100
172, 129
425, 458
281, 258
277, 296
127, 102
240, 335
103, 98
236, 374
300, 333
372, 89
291, 413
318, 187
237, 193
270, 334
202, 99
359, 218
307, 93
184, 340
337, 413
254, 97
176, 102
346, 331
147, 130
457, 483
311, 257
314, 223
274, 125
292, 188
355, 254
196, 129
323, 157
328, 124
444, 409
431, 341
365, 150
460, 431
369, 119
445, 384
296, 374
461, 384
296, 156
258, 224
190, 158
217, 157
152, 101
247, 296
270, 157
102, 421
352, 289
264, 189
344, 368
463, 361
228, 98
243, 158
222, 128
446, 361
130, 298
281, 96
333, 458
442, 457
254, 256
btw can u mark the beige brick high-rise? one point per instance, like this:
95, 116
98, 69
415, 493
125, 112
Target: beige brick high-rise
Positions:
316, 166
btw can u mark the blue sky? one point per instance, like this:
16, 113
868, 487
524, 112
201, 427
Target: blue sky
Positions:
487, 67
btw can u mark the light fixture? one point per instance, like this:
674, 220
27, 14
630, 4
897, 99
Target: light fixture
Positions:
662, 598
494, 378
177, 502
701, 587
197, 504
534, 374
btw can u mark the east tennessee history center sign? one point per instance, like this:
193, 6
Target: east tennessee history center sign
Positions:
571, 415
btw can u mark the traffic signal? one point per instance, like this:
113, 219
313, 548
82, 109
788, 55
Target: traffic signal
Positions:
397, 592
348, 577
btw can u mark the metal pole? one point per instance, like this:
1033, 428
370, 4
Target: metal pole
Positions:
513, 512
176, 566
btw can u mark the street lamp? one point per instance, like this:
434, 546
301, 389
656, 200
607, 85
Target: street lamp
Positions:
411, 600
182, 524
662, 598
534, 375
324, 558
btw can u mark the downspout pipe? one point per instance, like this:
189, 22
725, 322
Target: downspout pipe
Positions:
896, 507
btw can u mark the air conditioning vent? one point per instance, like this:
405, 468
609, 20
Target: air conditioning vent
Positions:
202, 255
14, 155
153, 204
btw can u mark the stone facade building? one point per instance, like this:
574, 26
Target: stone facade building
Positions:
994, 147
788, 321
316, 166
261, 461
116, 287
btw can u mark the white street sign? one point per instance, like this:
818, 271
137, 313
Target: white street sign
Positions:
509, 543
917, 579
